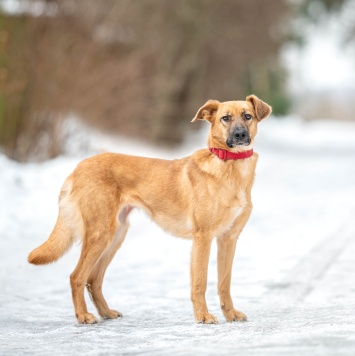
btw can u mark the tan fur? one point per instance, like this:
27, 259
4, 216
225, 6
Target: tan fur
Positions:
198, 197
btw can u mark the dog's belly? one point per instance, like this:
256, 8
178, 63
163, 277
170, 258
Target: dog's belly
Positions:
183, 227
178, 226
218, 220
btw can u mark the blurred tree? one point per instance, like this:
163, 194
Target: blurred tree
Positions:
314, 11
14, 79
133, 67
314, 8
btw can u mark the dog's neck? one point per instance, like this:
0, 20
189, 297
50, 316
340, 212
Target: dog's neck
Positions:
214, 145
227, 155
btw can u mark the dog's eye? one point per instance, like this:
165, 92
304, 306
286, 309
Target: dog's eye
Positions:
226, 118
247, 116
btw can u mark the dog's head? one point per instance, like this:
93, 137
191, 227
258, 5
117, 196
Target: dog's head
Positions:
233, 123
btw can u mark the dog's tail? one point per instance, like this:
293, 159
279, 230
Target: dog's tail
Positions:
57, 244
63, 234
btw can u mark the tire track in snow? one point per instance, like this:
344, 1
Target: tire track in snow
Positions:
303, 279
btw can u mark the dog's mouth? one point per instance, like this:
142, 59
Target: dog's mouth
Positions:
231, 143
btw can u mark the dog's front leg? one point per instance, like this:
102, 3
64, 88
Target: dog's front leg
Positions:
226, 249
199, 266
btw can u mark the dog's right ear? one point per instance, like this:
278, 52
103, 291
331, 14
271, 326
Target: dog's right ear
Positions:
206, 111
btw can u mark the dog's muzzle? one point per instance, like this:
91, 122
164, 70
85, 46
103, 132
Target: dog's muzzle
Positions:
239, 137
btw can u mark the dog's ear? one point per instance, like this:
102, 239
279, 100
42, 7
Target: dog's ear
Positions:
206, 111
262, 110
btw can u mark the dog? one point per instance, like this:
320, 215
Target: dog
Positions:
199, 197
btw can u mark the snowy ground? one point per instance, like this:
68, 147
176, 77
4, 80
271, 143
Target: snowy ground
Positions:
293, 273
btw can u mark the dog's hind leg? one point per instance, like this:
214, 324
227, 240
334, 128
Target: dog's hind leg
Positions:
94, 285
94, 245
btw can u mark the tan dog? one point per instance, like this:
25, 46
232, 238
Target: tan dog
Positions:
199, 197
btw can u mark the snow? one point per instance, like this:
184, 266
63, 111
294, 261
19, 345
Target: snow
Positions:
293, 273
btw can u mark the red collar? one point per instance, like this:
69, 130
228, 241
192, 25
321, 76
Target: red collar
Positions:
224, 154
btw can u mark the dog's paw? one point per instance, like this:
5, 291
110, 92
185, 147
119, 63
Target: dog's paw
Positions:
235, 315
86, 318
206, 318
111, 314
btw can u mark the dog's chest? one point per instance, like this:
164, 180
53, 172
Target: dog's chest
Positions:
242, 202
229, 214
233, 197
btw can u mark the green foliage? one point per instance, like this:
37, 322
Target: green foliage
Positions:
278, 97
268, 82
280, 103
312, 9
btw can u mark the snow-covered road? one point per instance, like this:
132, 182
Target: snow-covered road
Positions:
293, 273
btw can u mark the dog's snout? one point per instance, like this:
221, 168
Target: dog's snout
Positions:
241, 133
239, 136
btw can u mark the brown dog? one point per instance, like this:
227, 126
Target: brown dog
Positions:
202, 196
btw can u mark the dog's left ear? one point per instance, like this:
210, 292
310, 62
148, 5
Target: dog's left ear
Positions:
206, 111
262, 110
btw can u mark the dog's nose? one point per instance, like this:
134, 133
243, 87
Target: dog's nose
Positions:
241, 134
